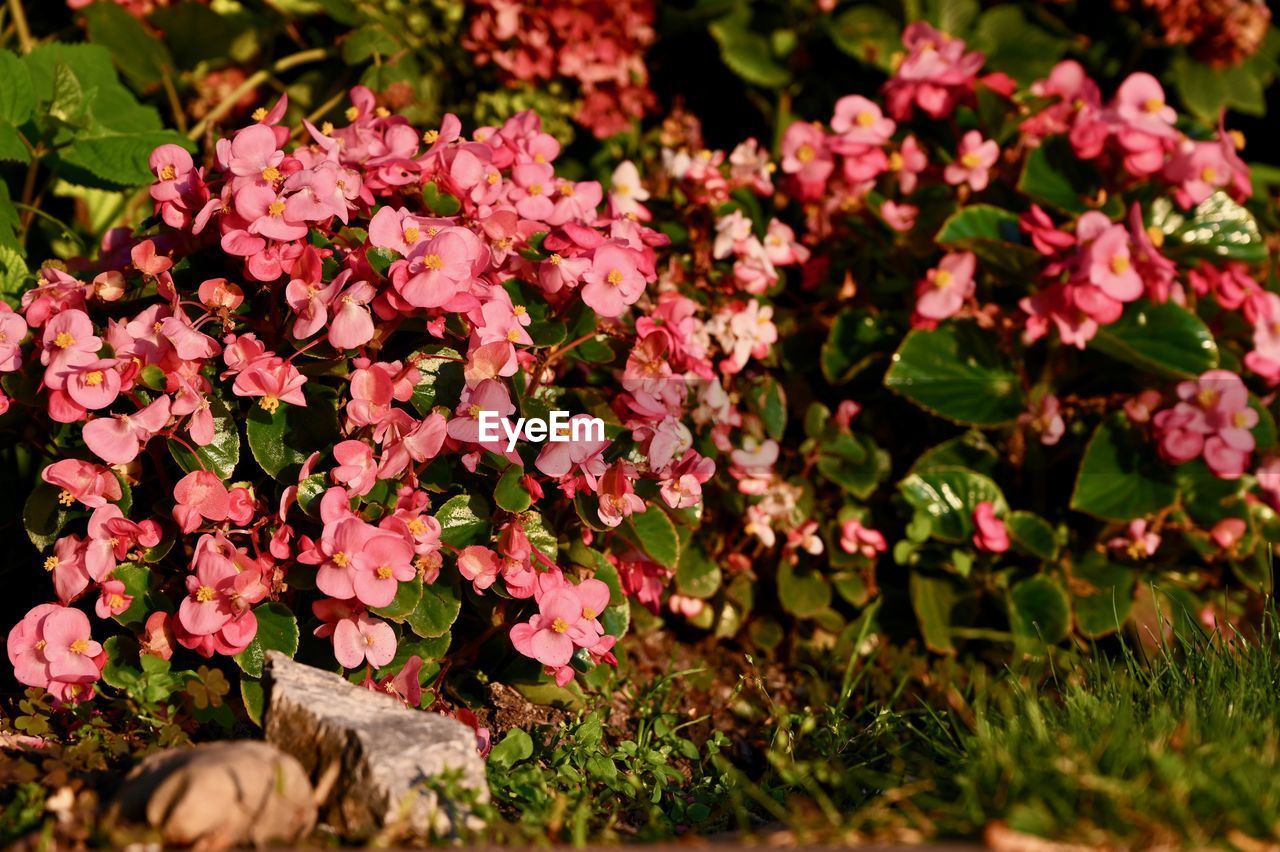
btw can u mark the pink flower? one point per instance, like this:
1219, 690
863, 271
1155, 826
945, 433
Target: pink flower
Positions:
356, 468
381, 565
436, 269
13, 328
618, 499
855, 538
613, 282
360, 638
935, 76
990, 534
1227, 532
551, 635
118, 439
200, 495
91, 484
942, 292
1139, 543
112, 600
859, 124
973, 162
480, 565
272, 380
806, 158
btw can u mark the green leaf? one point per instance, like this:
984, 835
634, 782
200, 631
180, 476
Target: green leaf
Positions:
956, 371
14, 275
438, 607
971, 450
44, 516
510, 493
17, 95
1202, 89
439, 203
979, 222
747, 53
948, 496
804, 594
855, 463
653, 531
766, 400
1119, 477
365, 42
11, 148
221, 455
512, 749
1165, 339
1217, 228
1046, 177
137, 582
866, 33
439, 377
118, 159
940, 603
1016, 46
1102, 595
281, 440
540, 536
277, 631
464, 520
140, 56
408, 594
254, 697
856, 338
1032, 535
697, 576
1039, 613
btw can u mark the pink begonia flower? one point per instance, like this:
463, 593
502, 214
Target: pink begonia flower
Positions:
93, 385
91, 484
118, 439
1108, 258
340, 545
361, 638
352, 325
13, 329
627, 193
855, 538
437, 268
420, 444
68, 342
900, 217
403, 685
380, 566
68, 646
200, 495
157, 636
112, 536
1213, 418
112, 599
942, 292
860, 124
973, 162
1227, 532
272, 380
936, 74
574, 458
613, 282
480, 565
989, 534
1139, 542
806, 158
356, 468
268, 214
70, 576
551, 635
252, 153
220, 294
618, 499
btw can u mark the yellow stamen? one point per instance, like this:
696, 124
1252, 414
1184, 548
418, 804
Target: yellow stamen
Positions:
204, 594
168, 172
433, 261
93, 378
275, 208
411, 234
269, 404
271, 174
64, 340
559, 625
51, 563
79, 646
614, 277
384, 572
341, 559
259, 113
66, 498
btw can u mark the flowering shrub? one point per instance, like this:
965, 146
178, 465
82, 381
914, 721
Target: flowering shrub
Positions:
1054, 279
836, 378
267, 411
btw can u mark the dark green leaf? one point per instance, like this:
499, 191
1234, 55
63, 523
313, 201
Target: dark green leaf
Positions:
1164, 338
956, 371
1119, 477
220, 456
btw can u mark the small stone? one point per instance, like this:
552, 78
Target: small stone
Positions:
219, 795
390, 767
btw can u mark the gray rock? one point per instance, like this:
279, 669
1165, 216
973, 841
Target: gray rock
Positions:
219, 795
392, 769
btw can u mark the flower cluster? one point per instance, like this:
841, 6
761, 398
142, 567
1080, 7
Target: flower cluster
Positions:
1220, 32
366, 295
598, 45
